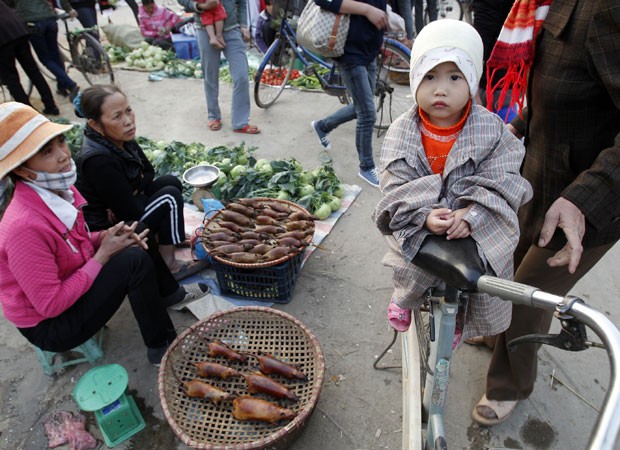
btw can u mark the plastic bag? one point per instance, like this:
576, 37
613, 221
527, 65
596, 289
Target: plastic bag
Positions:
123, 35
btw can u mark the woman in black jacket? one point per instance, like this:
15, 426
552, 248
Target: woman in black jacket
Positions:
14, 45
117, 179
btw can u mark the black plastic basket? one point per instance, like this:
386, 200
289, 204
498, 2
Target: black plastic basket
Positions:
265, 284
289, 8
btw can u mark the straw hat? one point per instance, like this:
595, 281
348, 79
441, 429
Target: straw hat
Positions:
23, 131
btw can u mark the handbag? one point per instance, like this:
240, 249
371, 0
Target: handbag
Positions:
321, 31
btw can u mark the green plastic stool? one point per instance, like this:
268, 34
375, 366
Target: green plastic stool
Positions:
90, 351
102, 390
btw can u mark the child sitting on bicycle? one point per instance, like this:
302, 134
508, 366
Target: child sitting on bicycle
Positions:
213, 20
449, 167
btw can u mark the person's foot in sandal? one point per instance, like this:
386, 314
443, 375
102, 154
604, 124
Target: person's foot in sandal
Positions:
398, 318
482, 341
215, 124
492, 412
247, 129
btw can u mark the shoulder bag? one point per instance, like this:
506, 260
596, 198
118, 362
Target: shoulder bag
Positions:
321, 31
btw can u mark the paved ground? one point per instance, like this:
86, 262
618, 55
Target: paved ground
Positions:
341, 295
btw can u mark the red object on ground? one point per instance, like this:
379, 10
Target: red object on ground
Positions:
62, 427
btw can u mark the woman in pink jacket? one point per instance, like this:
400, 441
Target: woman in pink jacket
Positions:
60, 283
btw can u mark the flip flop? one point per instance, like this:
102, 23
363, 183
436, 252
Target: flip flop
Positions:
481, 341
215, 124
399, 318
248, 129
492, 412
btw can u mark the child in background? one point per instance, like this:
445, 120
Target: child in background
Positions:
213, 20
156, 22
265, 34
449, 167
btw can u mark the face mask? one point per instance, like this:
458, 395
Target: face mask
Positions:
55, 181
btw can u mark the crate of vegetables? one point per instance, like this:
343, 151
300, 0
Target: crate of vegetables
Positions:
256, 245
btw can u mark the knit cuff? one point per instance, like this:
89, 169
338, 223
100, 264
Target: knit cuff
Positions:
92, 268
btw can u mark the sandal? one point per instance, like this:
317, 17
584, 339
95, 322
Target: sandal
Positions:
399, 318
248, 129
215, 124
481, 341
492, 412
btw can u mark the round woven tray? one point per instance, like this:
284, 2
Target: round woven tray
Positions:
211, 224
201, 424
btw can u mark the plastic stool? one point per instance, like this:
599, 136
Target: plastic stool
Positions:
90, 350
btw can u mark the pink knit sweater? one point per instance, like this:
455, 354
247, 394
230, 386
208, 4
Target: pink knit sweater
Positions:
44, 267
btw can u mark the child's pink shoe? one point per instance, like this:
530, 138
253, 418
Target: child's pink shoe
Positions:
399, 318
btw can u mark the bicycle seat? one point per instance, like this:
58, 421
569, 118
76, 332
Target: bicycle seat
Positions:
456, 262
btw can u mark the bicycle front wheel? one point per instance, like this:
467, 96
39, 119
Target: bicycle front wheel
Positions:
273, 73
392, 93
446, 9
90, 58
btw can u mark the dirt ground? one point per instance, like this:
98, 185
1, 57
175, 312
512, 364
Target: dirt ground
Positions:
341, 295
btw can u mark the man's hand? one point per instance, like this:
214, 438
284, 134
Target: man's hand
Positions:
73, 14
565, 215
377, 17
439, 220
245, 34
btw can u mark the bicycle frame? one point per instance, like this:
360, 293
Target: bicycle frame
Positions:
306, 58
463, 274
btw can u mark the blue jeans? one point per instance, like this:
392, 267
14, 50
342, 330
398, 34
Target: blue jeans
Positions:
44, 40
360, 82
238, 63
87, 15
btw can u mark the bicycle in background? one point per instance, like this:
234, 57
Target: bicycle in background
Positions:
85, 53
453, 9
427, 345
392, 94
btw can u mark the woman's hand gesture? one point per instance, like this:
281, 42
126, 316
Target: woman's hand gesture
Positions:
118, 238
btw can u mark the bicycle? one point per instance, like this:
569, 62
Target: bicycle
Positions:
453, 9
83, 52
285, 53
427, 345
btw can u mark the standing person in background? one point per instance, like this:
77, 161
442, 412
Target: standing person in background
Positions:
265, 33
570, 66
86, 13
14, 45
431, 7
156, 22
404, 9
358, 68
134, 9
236, 34
488, 20
40, 18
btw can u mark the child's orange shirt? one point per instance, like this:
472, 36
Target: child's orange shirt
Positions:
438, 141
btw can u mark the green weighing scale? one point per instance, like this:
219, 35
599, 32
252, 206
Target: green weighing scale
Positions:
102, 390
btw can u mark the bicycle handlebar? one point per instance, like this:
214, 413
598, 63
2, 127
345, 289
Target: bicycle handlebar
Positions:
605, 430
459, 265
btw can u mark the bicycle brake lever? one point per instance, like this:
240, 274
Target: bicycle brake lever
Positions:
572, 337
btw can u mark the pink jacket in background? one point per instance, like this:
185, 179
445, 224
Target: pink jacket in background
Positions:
161, 18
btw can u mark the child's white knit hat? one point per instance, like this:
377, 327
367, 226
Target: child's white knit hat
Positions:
447, 40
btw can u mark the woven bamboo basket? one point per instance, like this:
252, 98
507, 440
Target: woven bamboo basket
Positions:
211, 224
201, 424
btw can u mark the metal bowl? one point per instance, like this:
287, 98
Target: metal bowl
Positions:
201, 176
